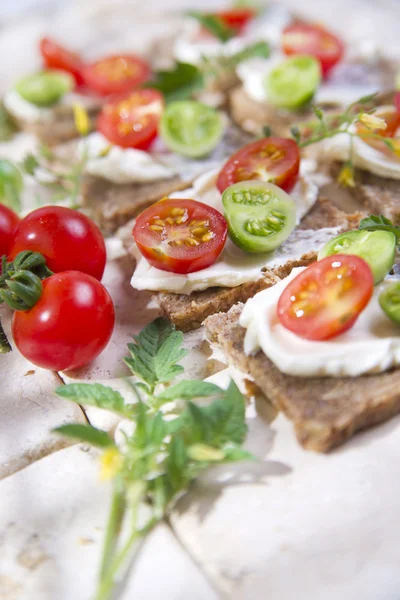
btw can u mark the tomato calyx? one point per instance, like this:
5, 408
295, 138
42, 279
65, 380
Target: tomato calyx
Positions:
21, 280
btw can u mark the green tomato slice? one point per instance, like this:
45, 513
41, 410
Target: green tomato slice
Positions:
377, 248
389, 301
11, 184
260, 215
191, 128
45, 88
293, 82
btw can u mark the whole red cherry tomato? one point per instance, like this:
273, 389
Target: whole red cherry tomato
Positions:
69, 326
8, 223
66, 238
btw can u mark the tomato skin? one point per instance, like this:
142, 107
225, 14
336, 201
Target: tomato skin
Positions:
69, 326
236, 18
158, 246
326, 298
116, 74
56, 56
283, 170
132, 121
8, 223
307, 38
397, 101
66, 238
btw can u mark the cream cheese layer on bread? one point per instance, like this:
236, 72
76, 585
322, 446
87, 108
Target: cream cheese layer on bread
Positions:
121, 165
372, 345
25, 111
234, 266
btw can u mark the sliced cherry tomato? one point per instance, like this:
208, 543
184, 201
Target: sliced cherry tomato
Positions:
389, 301
132, 122
66, 238
69, 326
236, 18
180, 235
272, 159
325, 299
58, 57
116, 74
8, 223
45, 88
304, 38
392, 118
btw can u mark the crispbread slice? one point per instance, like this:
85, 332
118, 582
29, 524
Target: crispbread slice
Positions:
111, 205
187, 312
325, 411
377, 195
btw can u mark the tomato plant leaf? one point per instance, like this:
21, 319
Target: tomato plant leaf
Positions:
379, 222
179, 83
5, 345
155, 352
214, 25
8, 126
187, 390
96, 394
257, 50
86, 433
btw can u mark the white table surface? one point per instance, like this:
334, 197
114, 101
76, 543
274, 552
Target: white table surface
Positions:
294, 525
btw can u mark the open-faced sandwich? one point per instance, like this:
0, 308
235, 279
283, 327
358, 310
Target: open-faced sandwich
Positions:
42, 103
268, 201
323, 344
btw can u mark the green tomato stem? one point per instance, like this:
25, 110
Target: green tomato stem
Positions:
117, 513
24, 290
5, 346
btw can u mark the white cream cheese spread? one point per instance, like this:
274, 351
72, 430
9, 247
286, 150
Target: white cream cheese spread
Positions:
234, 266
372, 345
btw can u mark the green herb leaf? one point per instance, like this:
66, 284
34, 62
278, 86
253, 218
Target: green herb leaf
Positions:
5, 345
96, 394
214, 25
258, 49
187, 390
267, 131
379, 222
155, 353
30, 163
318, 112
12, 197
295, 131
178, 84
236, 453
8, 126
86, 433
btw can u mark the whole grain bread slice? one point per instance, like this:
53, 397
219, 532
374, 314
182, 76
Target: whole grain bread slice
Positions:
376, 195
325, 411
188, 312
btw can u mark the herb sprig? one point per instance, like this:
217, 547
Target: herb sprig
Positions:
173, 441
326, 126
380, 223
185, 80
214, 25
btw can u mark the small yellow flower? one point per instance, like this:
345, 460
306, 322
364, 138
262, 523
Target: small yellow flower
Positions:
111, 462
372, 122
346, 176
81, 118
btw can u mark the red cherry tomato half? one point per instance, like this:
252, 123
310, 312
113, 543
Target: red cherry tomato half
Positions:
392, 119
180, 235
132, 122
236, 18
8, 223
117, 74
69, 326
272, 159
303, 38
66, 238
325, 299
57, 57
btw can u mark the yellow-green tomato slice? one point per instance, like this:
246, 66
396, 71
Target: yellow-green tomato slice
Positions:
389, 301
191, 128
45, 88
293, 82
260, 215
377, 248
